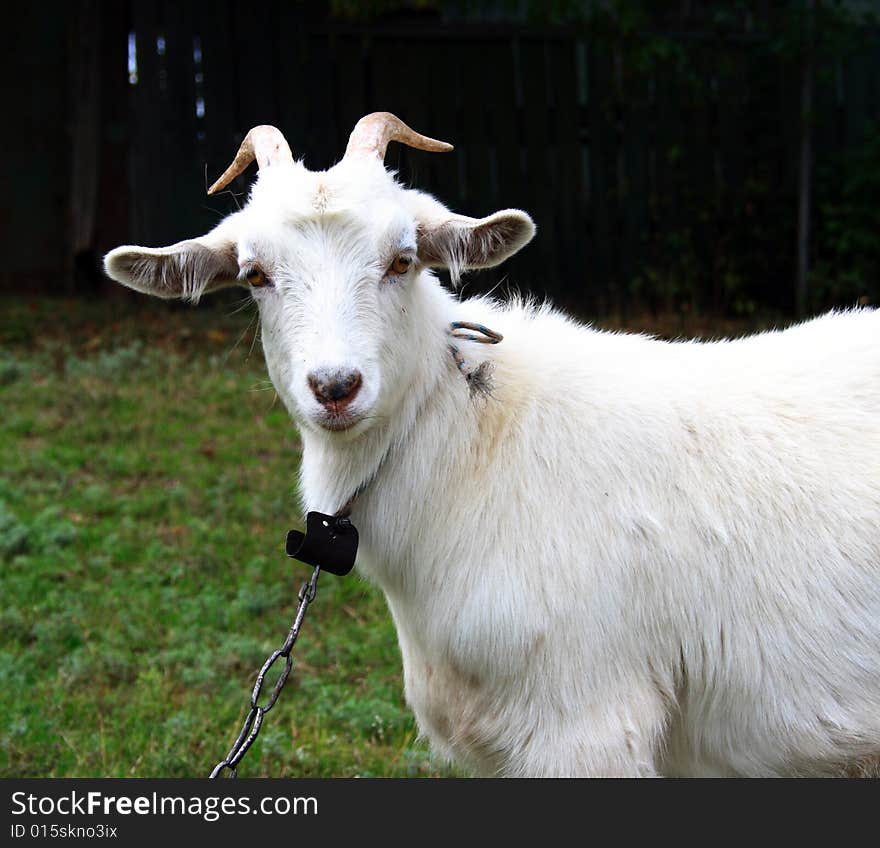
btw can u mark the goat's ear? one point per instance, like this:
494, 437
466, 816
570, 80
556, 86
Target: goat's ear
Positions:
460, 244
187, 269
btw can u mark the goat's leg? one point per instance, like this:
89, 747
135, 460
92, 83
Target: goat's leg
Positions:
612, 758
601, 742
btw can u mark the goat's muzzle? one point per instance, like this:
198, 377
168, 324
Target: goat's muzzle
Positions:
336, 388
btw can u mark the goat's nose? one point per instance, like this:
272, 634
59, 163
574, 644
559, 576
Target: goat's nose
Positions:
335, 387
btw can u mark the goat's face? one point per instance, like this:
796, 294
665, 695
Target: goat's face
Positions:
336, 256
337, 262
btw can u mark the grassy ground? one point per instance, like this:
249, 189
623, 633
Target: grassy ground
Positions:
147, 481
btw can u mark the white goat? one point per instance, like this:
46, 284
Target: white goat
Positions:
630, 557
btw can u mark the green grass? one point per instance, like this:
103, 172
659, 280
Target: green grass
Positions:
147, 480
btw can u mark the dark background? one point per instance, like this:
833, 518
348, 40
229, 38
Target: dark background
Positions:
717, 157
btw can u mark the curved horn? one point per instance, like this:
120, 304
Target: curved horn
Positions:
265, 144
372, 133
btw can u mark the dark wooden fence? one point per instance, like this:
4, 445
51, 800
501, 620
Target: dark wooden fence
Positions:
632, 175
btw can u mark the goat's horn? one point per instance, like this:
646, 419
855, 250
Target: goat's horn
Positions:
265, 144
372, 133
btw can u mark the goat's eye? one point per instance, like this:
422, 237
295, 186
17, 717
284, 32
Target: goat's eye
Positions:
400, 265
256, 277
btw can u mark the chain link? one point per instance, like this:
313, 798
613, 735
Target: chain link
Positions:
254, 721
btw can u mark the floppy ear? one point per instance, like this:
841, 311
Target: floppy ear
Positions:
187, 269
461, 244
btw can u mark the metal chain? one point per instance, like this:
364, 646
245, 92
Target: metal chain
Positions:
251, 728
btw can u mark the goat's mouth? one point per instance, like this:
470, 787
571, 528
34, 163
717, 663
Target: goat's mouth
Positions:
338, 420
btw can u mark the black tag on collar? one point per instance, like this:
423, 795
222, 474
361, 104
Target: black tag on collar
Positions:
328, 542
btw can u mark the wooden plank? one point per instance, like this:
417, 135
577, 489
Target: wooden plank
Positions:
416, 165
255, 42
401, 77
474, 131
85, 92
112, 224
697, 171
602, 169
33, 204
730, 70
857, 69
445, 173
786, 135
147, 169
184, 215
322, 138
584, 198
872, 73
294, 86
635, 124
441, 177
350, 94
537, 163
509, 185
503, 115
223, 126
668, 206
767, 155
570, 234
390, 92
391, 67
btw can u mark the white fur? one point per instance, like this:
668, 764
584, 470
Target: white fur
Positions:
634, 557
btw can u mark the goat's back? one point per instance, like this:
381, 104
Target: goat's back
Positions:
708, 518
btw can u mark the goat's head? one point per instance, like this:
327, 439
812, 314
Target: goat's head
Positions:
335, 261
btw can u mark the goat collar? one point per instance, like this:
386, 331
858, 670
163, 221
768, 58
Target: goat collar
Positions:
330, 541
